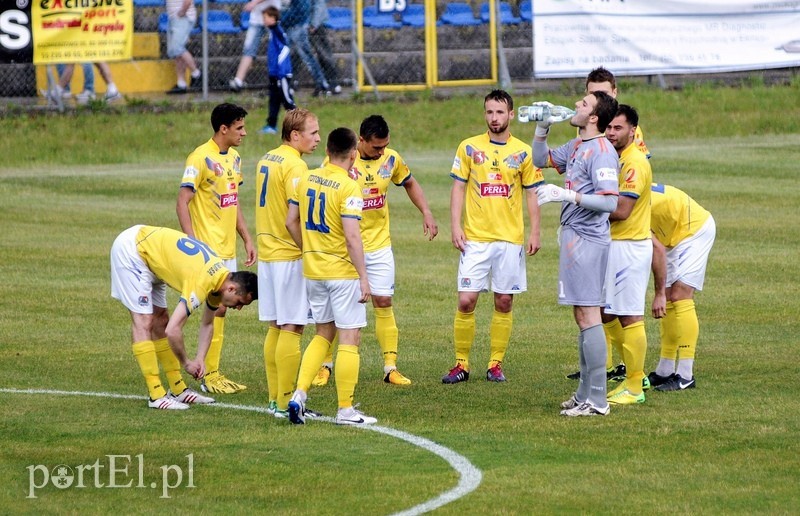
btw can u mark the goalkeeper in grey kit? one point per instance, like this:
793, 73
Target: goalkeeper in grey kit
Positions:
590, 165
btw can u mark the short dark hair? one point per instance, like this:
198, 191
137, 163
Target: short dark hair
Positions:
273, 12
601, 74
605, 109
630, 114
226, 114
374, 126
341, 142
246, 283
500, 96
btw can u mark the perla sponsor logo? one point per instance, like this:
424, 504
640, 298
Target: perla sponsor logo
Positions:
494, 190
229, 199
606, 174
374, 203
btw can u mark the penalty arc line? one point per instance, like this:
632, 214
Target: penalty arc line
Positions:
469, 476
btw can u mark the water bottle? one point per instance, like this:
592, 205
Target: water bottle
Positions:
527, 114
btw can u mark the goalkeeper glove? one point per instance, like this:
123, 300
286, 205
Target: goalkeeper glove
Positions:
553, 193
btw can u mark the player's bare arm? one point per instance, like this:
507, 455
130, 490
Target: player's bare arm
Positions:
241, 228
457, 193
293, 225
534, 238
659, 267
355, 248
185, 196
174, 333
417, 196
624, 208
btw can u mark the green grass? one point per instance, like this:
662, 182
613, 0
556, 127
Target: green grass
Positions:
729, 446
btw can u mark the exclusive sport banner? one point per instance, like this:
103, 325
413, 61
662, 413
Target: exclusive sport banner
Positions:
16, 43
74, 31
645, 37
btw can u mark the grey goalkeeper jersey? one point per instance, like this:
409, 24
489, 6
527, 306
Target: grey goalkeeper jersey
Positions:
590, 167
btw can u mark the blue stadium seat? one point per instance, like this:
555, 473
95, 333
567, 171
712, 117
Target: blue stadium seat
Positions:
149, 3
506, 15
376, 20
414, 15
525, 11
460, 14
163, 19
244, 20
220, 22
339, 18
228, 1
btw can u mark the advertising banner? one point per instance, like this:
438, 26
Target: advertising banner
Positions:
645, 37
73, 31
16, 43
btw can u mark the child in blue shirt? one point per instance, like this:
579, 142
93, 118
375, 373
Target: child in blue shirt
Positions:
279, 67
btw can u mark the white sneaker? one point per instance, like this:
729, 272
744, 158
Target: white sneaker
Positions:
572, 402
586, 409
111, 96
192, 397
84, 97
297, 410
351, 416
167, 403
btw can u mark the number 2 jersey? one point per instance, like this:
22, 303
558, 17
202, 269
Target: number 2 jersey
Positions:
214, 177
495, 175
325, 196
185, 264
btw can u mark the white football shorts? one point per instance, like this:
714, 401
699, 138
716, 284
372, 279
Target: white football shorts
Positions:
686, 262
337, 300
380, 271
504, 261
282, 295
132, 283
627, 275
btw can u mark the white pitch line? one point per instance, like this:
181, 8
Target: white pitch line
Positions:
470, 476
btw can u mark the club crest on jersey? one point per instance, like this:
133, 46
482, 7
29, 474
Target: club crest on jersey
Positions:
515, 160
144, 300
466, 282
478, 156
229, 199
494, 190
374, 203
215, 167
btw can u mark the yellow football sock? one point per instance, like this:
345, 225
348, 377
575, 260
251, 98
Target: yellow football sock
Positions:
287, 358
499, 336
329, 357
271, 368
634, 349
615, 337
312, 360
669, 334
387, 334
345, 373
463, 335
215, 349
171, 366
145, 353
688, 328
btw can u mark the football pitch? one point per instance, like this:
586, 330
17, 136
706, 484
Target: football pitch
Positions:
77, 436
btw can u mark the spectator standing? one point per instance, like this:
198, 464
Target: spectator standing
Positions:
296, 21
252, 40
321, 44
279, 64
182, 17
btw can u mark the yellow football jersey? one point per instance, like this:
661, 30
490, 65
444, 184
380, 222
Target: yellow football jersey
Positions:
638, 140
325, 196
674, 215
374, 176
277, 174
635, 177
215, 178
187, 265
495, 175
